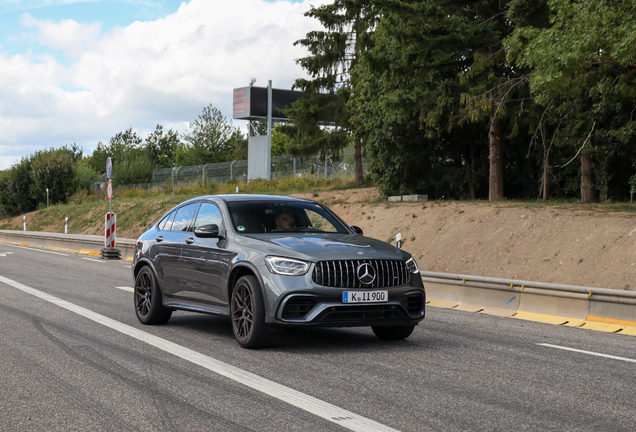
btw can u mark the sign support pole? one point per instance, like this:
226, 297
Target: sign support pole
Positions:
269, 130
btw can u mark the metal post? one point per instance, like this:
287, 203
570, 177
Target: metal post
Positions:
24, 223
325, 165
172, 181
269, 130
232, 169
66, 225
294, 167
47, 197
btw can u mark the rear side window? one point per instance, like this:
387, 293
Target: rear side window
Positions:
166, 223
208, 214
184, 216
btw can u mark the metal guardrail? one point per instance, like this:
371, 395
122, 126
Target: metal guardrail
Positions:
570, 305
71, 242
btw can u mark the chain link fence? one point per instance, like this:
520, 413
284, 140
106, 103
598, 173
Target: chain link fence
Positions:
282, 166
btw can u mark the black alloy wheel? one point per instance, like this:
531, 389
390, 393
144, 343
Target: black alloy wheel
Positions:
398, 332
248, 314
147, 298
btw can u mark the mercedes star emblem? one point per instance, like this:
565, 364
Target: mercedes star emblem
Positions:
366, 273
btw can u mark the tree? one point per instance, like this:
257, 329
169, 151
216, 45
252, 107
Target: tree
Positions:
584, 66
131, 162
211, 139
333, 55
161, 147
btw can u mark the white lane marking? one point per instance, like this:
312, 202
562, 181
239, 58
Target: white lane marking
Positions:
325, 410
4, 254
625, 359
126, 289
91, 259
37, 250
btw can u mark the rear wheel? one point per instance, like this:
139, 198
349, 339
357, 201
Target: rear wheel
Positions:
248, 314
393, 332
147, 298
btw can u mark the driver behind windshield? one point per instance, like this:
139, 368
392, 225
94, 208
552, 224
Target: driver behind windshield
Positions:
283, 221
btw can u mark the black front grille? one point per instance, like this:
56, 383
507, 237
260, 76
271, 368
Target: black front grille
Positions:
297, 307
361, 313
414, 304
343, 274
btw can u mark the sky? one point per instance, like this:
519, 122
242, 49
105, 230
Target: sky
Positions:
80, 71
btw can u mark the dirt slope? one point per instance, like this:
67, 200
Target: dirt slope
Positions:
546, 244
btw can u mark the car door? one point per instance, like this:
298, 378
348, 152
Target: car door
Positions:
173, 238
206, 260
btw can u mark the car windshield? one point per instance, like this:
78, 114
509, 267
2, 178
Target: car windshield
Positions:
254, 217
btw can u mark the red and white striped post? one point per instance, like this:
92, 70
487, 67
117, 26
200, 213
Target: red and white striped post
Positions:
111, 226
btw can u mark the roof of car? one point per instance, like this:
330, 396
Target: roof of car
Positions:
249, 197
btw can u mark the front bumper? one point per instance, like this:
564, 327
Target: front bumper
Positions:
405, 306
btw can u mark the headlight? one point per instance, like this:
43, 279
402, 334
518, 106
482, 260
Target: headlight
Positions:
412, 266
286, 266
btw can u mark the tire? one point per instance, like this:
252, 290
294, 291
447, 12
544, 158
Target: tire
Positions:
147, 298
393, 332
247, 312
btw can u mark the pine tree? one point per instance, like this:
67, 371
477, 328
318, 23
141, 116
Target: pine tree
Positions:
334, 53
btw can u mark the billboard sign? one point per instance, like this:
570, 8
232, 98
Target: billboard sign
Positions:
250, 103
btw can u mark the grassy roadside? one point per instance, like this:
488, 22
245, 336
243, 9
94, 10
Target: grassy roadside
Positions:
138, 208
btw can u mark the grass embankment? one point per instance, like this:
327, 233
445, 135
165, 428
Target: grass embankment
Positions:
138, 208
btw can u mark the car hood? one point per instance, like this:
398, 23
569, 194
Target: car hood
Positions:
317, 247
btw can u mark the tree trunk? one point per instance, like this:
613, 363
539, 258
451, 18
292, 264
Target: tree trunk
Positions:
588, 192
471, 171
358, 163
495, 143
546, 179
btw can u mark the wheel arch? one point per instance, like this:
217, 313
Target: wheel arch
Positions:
240, 270
140, 264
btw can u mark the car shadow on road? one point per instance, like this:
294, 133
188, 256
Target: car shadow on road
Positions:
349, 339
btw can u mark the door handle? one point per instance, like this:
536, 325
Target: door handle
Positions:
159, 239
189, 240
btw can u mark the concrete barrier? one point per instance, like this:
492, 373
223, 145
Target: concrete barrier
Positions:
569, 305
472, 296
79, 243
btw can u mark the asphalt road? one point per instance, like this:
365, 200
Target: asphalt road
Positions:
81, 361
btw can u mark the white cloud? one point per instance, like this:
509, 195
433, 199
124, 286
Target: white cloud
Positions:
163, 71
68, 35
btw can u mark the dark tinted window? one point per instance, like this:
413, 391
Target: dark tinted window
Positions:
208, 214
166, 223
288, 216
183, 219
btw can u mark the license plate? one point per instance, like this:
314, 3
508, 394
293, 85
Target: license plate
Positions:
365, 296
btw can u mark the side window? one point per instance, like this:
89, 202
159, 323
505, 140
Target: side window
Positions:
166, 223
184, 216
208, 214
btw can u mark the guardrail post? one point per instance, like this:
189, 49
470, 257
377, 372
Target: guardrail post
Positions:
23, 223
66, 225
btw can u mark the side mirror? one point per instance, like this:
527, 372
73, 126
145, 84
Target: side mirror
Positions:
356, 229
207, 231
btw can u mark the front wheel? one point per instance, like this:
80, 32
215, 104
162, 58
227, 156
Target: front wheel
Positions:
248, 314
147, 298
393, 332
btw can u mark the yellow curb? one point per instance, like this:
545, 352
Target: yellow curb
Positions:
629, 330
441, 303
593, 325
95, 253
469, 307
617, 321
550, 319
128, 259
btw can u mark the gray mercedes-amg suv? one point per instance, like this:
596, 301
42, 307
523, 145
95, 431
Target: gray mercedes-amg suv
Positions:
269, 262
